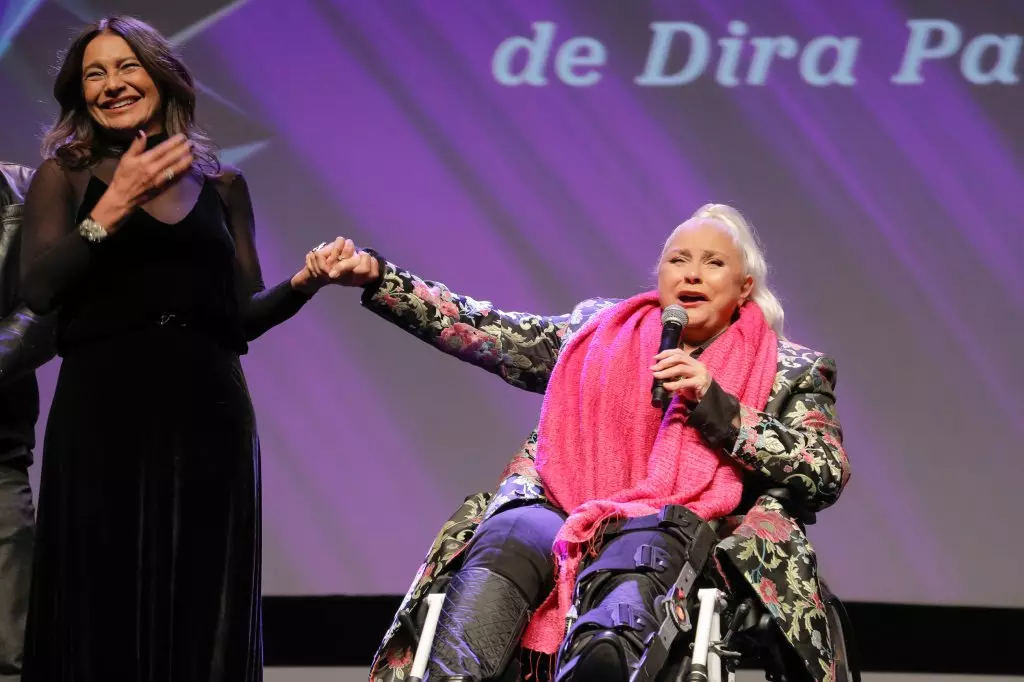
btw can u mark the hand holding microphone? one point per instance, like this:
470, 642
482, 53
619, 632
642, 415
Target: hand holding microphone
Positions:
674, 370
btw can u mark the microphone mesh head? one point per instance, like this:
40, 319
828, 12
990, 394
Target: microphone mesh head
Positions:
674, 314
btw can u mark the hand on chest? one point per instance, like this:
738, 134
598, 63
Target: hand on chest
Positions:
184, 222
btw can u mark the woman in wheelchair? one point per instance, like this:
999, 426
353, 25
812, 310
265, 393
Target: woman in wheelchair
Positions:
598, 514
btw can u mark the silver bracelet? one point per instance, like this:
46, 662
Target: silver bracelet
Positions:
92, 231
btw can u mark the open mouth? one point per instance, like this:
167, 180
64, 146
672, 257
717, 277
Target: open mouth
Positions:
692, 298
119, 103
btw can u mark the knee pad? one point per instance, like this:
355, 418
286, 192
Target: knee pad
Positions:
618, 595
616, 598
605, 644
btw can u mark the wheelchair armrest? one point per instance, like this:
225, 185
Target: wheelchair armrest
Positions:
792, 507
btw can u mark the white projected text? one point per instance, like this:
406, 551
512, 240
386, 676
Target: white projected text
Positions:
682, 52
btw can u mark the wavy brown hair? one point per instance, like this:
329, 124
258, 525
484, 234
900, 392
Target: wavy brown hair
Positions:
76, 141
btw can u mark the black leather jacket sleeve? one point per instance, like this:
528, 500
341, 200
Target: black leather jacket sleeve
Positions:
27, 340
26, 343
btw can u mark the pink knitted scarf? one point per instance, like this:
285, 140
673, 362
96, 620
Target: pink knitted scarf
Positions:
605, 453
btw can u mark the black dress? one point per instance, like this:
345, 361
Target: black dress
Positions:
147, 564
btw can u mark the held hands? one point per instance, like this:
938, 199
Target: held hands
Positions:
337, 262
682, 374
140, 175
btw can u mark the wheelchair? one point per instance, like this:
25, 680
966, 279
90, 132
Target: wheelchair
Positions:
751, 640
706, 632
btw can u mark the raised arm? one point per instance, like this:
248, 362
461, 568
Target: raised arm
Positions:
801, 448
261, 308
520, 348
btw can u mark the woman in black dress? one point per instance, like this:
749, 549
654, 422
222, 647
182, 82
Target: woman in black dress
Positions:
147, 565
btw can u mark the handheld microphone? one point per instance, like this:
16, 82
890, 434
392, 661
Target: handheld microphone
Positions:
673, 319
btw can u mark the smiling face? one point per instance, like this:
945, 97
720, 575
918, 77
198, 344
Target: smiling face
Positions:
119, 94
702, 270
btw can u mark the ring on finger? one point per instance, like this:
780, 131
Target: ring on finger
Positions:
318, 247
170, 175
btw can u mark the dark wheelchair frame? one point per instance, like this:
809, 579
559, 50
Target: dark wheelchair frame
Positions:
689, 645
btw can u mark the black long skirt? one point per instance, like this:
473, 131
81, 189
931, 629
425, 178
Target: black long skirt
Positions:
147, 563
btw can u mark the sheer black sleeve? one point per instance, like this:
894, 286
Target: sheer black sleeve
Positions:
54, 256
261, 308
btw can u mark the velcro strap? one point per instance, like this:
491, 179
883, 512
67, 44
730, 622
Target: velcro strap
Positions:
649, 522
616, 616
649, 556
671, 516
625, 557
678, 516
622, 616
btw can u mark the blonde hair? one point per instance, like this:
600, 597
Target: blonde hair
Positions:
742, 233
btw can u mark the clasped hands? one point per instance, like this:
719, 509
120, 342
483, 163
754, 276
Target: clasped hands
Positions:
338, 262
682, 374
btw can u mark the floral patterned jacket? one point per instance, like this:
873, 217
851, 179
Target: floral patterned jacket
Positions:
796, 442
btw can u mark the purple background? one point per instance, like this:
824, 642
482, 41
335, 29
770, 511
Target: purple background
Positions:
891, 216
